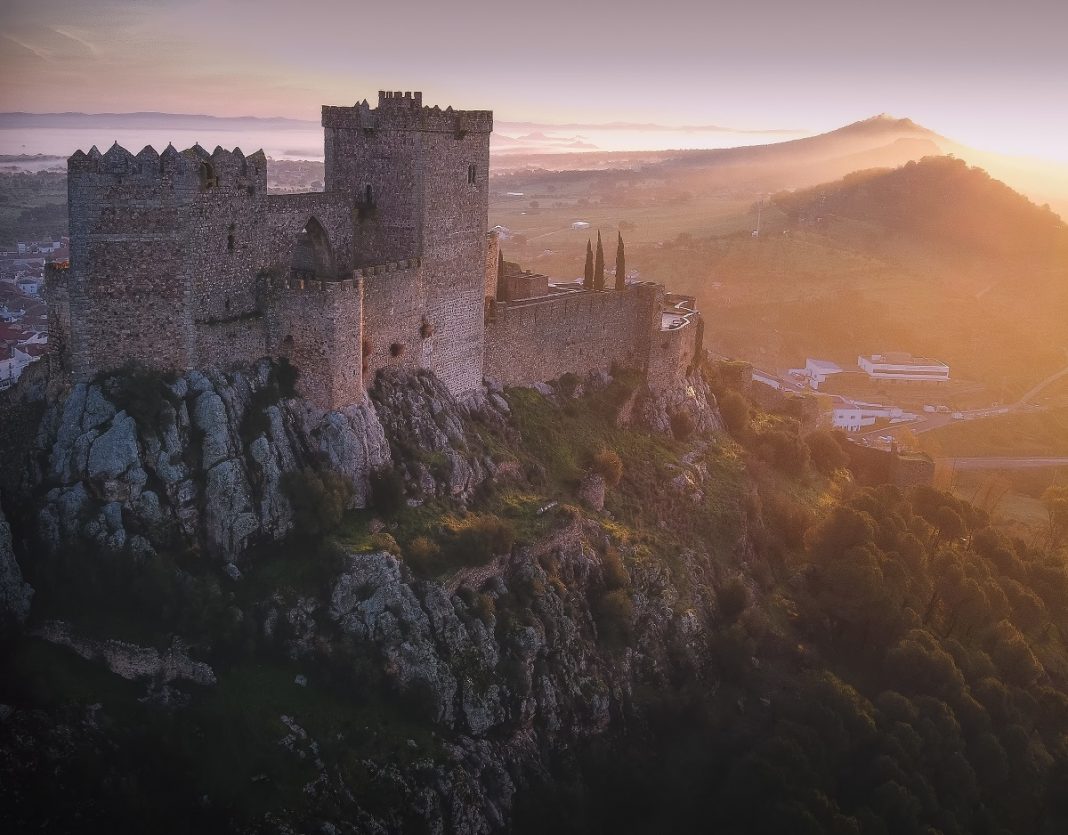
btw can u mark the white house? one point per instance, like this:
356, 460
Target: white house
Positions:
903, 366
852, 417
12, 362
29, 285
816, 371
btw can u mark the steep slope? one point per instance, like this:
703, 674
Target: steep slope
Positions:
615, 629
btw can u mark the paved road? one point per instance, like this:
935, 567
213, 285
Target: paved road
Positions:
1006, 463
1052, 378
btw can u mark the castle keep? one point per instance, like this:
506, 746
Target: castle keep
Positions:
183, 260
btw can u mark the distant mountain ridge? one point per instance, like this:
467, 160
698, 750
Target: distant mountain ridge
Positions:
146, 120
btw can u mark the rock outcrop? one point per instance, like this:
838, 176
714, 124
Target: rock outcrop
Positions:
509, 664
15, 594
128, 660
427, 432
204, 465
517, 665
687, 402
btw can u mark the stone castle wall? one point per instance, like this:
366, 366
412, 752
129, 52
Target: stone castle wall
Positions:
318, 326
182, 260
393, 317
493, 252
581, 332
672, 353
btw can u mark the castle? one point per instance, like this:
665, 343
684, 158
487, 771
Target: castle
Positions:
183, 260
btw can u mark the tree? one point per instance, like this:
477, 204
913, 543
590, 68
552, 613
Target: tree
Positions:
735, 412
318, 499
827, 454
598, 269
587, 281
502, 291
621, 265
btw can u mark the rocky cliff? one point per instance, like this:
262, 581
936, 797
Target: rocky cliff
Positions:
127, 468
501, 657
15, 595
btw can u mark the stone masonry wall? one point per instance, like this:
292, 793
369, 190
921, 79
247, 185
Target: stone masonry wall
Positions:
317, 326
456, 205
420, 179
578, 332
672, 354
493, 252
393, 315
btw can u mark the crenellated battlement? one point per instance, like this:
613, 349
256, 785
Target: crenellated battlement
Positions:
390, 267
180, 259
405, 111
191, 171
388, 98
295, 284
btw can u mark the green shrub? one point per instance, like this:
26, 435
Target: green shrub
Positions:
735, 411
255, 421
733, 599
422, 555
568, 383
614, 612
383, 541
608, 464
478, 537
615, 573
485, 608
318, 499
826, 453
783, 450
387, 491
682, 425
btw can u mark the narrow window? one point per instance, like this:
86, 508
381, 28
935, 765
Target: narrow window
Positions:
208, 179
369, 195
472, 175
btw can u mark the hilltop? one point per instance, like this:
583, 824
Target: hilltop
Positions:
934, 257
940, 203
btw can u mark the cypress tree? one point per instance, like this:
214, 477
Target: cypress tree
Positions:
501, 289
587, 281
598, 269
621, 265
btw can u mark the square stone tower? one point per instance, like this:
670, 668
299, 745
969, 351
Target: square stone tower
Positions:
419, 180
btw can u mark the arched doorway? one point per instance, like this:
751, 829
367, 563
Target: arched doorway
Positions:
313, 257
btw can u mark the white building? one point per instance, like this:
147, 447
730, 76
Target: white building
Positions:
12, 362
29, 285
900, 366
816, 371
852, 417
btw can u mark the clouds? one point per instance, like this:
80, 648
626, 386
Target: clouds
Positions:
817, 63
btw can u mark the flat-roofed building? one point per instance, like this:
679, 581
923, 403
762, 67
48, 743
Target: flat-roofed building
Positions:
903, 366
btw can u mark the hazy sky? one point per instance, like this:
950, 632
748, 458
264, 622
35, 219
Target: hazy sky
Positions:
990, 74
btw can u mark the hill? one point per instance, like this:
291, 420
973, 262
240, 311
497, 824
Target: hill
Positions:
935, 258
940, 203
532, 612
